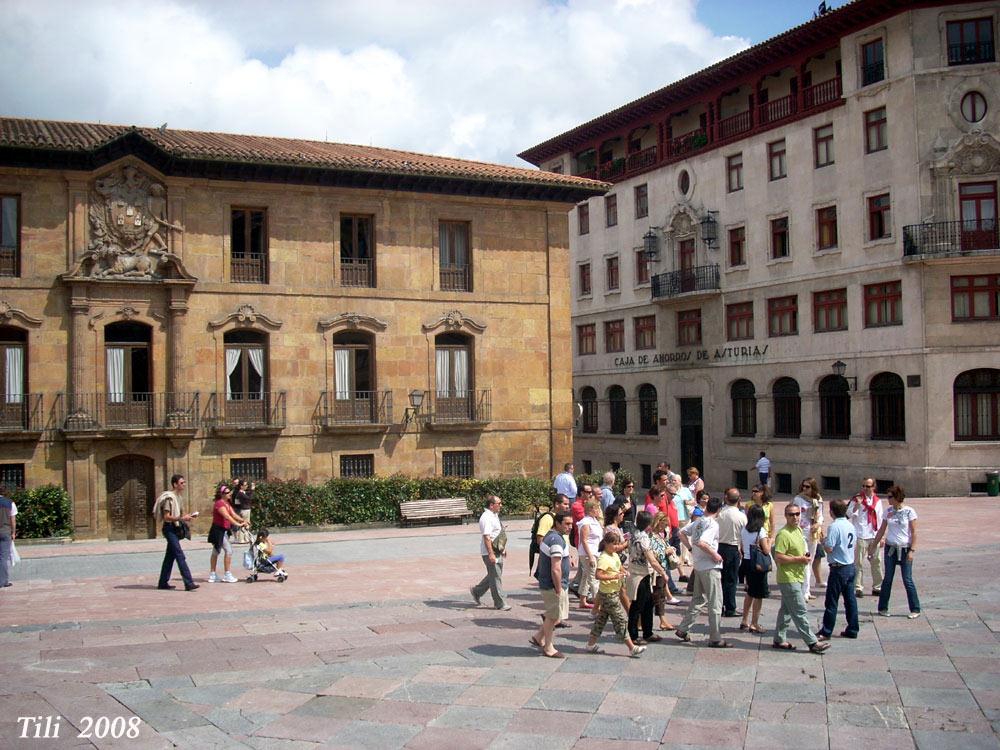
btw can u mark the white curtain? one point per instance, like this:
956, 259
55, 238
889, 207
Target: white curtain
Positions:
15, 374
443, 376
232, 360
461, 372
116, 374
256, 356
342, 366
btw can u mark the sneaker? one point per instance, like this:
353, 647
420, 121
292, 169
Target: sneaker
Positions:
212, 578
475, 597
884, 613
674, 600
504, 608
636, 651
229, 577
913, 616
876, 592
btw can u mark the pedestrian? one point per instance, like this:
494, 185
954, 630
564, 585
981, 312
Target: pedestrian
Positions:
266, 547
8, 533
695, 483
627, 497
173, 521
490, 530
702, 538
543, 522
840, 543
553, 580
792, 559
642, 569
866, 511
753, 535
607, 489
731, 522
811, 523
658, 531
763, 469
565, 482
761, 496
900, 532
610, 575
243, 501
589, 532
223, 519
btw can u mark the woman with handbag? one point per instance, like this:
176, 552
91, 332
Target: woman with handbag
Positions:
756, 547
664, 554
643, 567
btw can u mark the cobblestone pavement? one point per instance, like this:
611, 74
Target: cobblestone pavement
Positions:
374, 642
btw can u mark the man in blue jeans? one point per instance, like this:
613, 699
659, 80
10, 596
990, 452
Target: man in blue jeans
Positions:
840, 545
169, 513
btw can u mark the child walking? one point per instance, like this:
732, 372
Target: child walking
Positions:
610, 575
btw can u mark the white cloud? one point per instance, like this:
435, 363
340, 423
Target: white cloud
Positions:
478, 80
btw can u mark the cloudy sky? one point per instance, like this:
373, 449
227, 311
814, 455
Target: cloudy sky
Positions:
480, 79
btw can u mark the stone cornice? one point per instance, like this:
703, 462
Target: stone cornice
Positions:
246, 316
454, 321
353, 321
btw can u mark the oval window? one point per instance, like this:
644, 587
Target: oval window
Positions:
973, 106
684, 182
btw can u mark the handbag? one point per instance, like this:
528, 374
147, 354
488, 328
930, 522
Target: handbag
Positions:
500, 542
758, 560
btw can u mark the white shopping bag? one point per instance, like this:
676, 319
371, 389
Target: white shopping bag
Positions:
14, 557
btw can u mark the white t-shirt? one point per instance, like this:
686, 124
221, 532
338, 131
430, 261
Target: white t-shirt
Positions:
763, 465
489, 524
709, 528
859, 517
805, 520
897, 533
590, 528
749, 538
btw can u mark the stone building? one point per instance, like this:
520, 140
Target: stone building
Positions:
799, 255
221, 305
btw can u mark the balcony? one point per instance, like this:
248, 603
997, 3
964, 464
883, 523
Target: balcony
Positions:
21, 420
688, 143
698, 279
128, 412
355, 411
948, 239
248, 268
777, 110
357, 272
970, 53
8, 261
736, 125
456, 278
463, 410
821, 93
257, 413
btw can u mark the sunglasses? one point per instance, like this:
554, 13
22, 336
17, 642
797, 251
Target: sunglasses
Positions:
793, 515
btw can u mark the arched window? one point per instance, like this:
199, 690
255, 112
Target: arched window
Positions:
834, 408
648, 410
617, 405
453, 377
888, 411
13, 377
744, 400
588, 399
977, 405
787, 408
353, 376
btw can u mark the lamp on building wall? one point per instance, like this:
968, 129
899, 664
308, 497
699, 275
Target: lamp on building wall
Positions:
651, 245
416, 401
839, 368
710, 228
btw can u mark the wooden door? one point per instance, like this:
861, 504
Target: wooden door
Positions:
130, 498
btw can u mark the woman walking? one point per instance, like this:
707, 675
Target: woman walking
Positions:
900, 531
223, 518
658, 543
754, 535
589, 533
811, 523
642, 567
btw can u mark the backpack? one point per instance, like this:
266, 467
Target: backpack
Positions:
533, 548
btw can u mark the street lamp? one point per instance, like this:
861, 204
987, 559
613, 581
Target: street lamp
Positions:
416, 401
710, 228
839, 368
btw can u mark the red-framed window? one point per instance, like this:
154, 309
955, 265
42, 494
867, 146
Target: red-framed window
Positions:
586, 338
641, 267
826, 227
734, 172
977, 405
645, 332
883, 304
737, 246
614, 336
872, 62
689, 327
879, 217
739, 321
830, 310
823, 145
583, 218
975, 297
970, 41
611, 274
777, 168
876, 130
779, 237
641, 201
585, 284
783, 316
611, 210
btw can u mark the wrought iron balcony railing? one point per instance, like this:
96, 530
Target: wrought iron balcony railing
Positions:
697, 279
247, 411
249, 268
456, 278
970, 53
469, 407
357, 272
8, 261
24, 415
947, 238
345, 408
128, 411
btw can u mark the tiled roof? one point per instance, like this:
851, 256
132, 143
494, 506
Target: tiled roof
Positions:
79, 137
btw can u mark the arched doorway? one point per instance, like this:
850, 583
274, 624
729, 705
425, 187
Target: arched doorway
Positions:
130, 497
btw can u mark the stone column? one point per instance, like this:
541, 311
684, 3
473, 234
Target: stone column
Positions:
175, 375
79, 380
765, 417
810, 416
861, 415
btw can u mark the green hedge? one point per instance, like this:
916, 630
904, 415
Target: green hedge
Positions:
340, 501
43, 512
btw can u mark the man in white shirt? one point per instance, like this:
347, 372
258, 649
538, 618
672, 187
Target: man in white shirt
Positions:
489, 529
763, 468
866, 512
731, 522
702, 538
607, 490
565, 483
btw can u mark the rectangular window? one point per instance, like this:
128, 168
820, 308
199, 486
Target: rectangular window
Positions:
357, 251
10, 235
734, 170
647, 475
611, 210
641, 201
455, 256
586, 338
588, 466
879, 217
737, 246
876, 130
884, 304
358, 466
457, 464
826, 227
689, 327
740, 479
614, 336
776, 159
584, 279
641, 267
645, 332
971, 41
739, 321
611, 274
975, 297
872, 62
254, 469
779, 237
823, 145
830, 310
783, 316
248, 246
830, 484
11, 477
583, 218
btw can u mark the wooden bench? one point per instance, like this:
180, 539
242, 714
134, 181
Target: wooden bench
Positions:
427, 510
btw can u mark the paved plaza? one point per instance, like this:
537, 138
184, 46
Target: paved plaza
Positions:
374, 642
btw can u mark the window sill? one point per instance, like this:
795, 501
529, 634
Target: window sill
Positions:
819, 252
585, 296
782, 335
971, 444
881, 241
963, 321
611, 292
642, 285
734, 269
779, 261
883, 325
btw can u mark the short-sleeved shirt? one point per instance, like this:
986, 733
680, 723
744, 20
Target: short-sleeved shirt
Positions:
705, 529
545, 524
638, 545
791, 542
607, 497
553, 546
609, 562
218, 519
768, 511
897, 533
748, 539
6, 511
731, 522
565, 484
858, 514
592, 530
489, 525
681, 499
841, 539
763, 465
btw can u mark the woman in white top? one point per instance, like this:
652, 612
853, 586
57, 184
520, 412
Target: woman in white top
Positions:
754, 535
811, 523
589, 532
900, 531
695, 483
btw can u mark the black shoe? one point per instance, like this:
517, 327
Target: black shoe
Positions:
734, 613
682, 579
845, 634
191, 586
166, 587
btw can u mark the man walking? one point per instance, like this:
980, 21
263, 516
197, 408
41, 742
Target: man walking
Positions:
731, 523
553, 580
866, 513
170, 515
791, 556
839, 545
763, 469
607, 490
702, 538
489, 529
8, 532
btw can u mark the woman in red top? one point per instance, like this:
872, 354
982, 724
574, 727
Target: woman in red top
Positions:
223, 517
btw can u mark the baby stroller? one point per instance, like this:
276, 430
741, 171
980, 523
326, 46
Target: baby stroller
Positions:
256, 562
